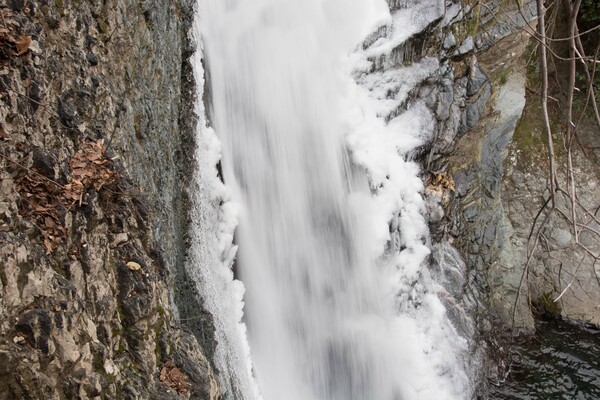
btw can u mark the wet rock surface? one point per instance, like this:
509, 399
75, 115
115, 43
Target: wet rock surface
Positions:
76, 321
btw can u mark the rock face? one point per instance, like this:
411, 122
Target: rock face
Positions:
477, 97
488, 177
97, 134
562, 277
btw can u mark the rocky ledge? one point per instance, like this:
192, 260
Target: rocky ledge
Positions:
94, 139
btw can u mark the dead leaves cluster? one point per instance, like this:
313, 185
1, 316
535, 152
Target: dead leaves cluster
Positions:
172, 376
11, 43
442, 181
46, 201
90, 168
43, 206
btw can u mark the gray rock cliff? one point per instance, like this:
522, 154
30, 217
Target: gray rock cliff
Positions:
97, 136
488, 175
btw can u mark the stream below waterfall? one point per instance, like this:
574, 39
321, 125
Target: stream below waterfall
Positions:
562, 361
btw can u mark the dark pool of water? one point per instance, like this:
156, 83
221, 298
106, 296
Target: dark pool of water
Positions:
561, 362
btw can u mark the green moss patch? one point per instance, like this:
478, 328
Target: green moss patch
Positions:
547, 305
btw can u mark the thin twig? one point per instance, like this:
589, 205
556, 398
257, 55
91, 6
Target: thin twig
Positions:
544, 71
525, 272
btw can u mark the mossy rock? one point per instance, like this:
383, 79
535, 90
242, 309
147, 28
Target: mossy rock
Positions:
547, 305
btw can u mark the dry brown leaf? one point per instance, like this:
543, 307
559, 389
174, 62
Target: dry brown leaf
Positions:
42, 196
89, 168
172, 376
49, 222
23, 45
48, 246
444, 180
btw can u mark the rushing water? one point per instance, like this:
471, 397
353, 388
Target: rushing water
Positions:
328, 317
562, 361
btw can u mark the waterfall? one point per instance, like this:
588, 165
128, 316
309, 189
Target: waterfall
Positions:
331, 242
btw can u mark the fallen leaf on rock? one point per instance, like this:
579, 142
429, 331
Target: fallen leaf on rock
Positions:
49, 222
172, 376
46, 201
23, 45
132, 265
48, 246
89, 169
443, 180
41, 202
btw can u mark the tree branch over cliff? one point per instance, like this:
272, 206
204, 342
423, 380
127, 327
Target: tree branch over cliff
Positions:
541, 10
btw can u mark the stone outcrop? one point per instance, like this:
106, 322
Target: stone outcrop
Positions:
562, 278
477, 97
488, 177
96, 133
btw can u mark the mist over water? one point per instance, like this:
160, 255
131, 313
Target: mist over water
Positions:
324, 317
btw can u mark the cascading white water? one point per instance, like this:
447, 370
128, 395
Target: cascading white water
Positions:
327, 317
